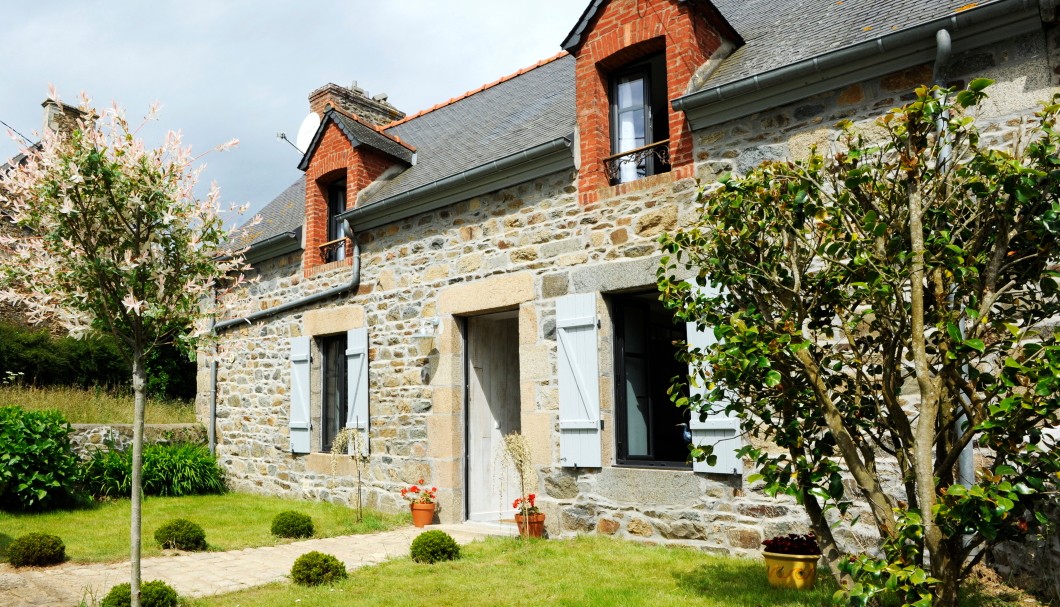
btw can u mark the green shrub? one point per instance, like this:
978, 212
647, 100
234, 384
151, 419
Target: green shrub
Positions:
38, 468
290, 523
316, 568
433, 546
181, 534
152, 594
44, 360
168, 471
36, 550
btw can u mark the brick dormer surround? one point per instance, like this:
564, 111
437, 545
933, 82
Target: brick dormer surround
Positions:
334, 159
622, 31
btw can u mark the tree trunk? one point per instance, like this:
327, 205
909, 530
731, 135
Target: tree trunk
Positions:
139, 383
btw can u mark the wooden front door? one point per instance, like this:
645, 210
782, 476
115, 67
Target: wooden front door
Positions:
493, 412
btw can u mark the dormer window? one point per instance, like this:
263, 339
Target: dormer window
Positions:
640, 138
335, 247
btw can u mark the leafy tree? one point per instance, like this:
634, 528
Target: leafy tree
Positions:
115, 239
878, 310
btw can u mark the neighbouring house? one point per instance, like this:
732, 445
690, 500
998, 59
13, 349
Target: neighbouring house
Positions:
57, 116
436, 281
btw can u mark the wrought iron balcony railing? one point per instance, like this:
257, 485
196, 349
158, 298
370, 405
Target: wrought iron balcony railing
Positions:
646, 160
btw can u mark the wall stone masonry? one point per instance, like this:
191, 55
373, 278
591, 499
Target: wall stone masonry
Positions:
89, 438
519, 249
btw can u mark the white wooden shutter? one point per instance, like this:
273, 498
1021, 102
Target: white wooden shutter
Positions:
299, 419
579, 381
718, 428
357, 415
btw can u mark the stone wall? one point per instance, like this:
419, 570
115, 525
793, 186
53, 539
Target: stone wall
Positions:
519, 249
89, 438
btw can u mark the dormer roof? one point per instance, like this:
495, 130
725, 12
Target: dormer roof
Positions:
574, 39
359, 133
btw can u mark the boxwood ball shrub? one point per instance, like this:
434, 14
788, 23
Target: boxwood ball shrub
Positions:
152, 594
290, 523
433, 546
181, 534
316, 568
38, 468
36, 550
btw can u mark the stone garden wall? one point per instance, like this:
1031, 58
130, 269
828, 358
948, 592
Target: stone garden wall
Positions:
89, 438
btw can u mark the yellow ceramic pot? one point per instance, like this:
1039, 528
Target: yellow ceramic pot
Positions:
791, 570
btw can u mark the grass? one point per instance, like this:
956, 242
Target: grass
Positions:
591, 571
100, 532
87, 406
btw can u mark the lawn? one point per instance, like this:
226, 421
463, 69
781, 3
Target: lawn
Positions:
591, 571
100, 532
84, 406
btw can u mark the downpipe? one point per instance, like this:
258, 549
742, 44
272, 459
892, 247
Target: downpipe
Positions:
250, 319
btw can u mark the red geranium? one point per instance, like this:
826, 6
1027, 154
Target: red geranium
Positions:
526, 505
419, 495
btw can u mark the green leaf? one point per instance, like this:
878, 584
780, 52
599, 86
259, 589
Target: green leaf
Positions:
773, 378
979, 84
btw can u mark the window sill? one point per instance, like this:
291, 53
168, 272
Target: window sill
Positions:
330, 465
326, 267
651, 181
656, 466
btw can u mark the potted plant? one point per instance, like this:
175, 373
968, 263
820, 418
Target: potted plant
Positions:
529, 518
791, 560
421, 502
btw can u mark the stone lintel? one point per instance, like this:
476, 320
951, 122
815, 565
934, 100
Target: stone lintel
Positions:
328, 321
488, 294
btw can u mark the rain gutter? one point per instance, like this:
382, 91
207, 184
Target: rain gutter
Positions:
882, 55
520, 167
274, 246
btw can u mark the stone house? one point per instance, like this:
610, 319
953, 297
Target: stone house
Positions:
436, 281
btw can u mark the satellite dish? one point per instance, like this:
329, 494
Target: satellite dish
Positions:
309, 127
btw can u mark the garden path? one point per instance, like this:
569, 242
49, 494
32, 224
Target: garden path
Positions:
196, 574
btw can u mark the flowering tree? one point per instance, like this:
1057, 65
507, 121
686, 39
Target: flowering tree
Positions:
112, 237
880, 310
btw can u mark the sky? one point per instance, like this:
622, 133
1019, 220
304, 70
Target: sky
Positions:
242, 69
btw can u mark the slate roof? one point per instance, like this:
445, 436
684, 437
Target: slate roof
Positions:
515, 114
536, 105
286, 213
782, 32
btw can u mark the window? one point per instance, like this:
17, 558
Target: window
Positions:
335, 249
334, 399
651, 430
639, 121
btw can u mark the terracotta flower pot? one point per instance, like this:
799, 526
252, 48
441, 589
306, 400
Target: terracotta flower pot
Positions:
532, 525
791, 570
422, 514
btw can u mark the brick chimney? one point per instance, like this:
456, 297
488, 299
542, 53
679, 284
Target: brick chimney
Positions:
60, 117
354, 100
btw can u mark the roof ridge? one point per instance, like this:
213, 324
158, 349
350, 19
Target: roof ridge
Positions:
500, 80
374, 127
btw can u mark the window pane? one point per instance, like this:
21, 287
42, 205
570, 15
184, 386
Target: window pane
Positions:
636, 407
650, 429
630, 91
334, 397
631, 130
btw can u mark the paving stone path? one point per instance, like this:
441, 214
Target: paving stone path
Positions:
206, 573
